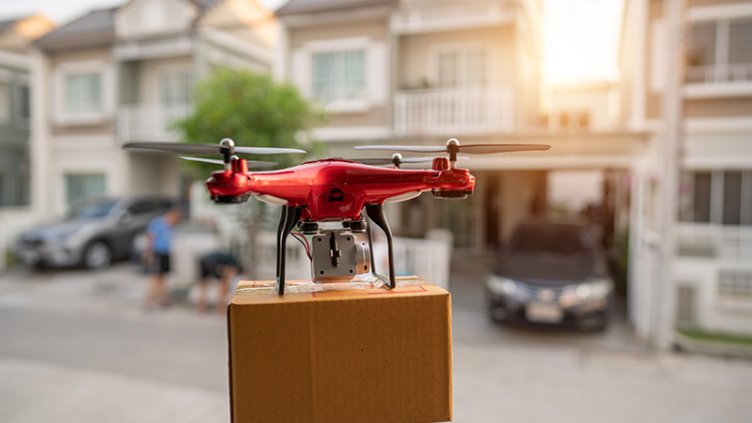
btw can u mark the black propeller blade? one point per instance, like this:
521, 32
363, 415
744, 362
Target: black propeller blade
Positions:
252, 164
464, 148
225, 147
396, 160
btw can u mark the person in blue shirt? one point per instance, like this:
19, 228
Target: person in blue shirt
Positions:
159, 235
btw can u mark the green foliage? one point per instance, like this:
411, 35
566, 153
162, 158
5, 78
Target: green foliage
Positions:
730, 338
253, 110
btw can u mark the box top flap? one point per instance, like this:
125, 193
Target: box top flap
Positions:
264, 292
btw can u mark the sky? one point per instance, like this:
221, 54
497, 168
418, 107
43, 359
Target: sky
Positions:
580, 36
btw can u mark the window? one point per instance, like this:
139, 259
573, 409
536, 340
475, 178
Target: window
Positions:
83, 93
735, 284
24, 103
80, 187
720, 197
339, 75
719, 51
461, 68
740, 40
176, 87
4, 102
702, 44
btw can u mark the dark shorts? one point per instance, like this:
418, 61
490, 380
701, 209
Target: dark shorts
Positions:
161, 264
210, 270
213, 265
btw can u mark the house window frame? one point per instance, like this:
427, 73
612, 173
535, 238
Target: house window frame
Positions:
21, 82
435, 52
716, 197
63, 116
6, 96
376, 71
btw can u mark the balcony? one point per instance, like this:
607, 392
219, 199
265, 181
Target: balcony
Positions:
455, 112
420, 16
719, 80
150, 122
729, 244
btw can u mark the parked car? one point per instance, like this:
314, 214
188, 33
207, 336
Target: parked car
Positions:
92, 235
551, 272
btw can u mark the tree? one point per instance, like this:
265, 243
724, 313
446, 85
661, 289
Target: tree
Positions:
253, 110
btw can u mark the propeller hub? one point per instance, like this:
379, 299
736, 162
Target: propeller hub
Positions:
397, 159
453, 147
228, 144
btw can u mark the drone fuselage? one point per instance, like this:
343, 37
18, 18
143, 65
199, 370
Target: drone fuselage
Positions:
336, 189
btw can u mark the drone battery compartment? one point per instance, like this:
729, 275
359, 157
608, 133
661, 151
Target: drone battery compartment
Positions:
360, 355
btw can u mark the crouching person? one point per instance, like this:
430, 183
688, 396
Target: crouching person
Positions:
222, 267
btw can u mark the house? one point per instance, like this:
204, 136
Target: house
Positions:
710, 280
16, 36
418, 71
125, 74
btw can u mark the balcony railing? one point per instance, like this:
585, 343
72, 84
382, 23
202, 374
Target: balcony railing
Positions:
709, 241
445, 112
150, 122
719, 74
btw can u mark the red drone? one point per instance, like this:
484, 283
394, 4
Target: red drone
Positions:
336, 190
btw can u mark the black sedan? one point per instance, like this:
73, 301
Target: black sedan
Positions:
552, 272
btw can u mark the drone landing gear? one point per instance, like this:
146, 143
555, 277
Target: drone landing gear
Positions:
288, 219
376, 213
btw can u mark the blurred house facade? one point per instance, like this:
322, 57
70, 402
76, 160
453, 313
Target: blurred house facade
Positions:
16, 36
711, 266
417, 71
125, 74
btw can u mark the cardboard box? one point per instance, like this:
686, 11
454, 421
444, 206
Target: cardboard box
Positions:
361, 355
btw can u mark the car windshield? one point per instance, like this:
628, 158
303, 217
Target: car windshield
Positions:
558, 239
92, 210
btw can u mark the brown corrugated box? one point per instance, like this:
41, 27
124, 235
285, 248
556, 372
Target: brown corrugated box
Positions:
360, 355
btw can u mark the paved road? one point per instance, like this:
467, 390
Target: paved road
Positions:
77, 347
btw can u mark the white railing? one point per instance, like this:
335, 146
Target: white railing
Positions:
724, 243
150, 122
427, 258
446, 112
421, 15
719, 74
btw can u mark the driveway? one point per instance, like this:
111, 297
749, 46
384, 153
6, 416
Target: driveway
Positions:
77, 346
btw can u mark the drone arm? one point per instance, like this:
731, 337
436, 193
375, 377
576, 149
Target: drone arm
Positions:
376, 214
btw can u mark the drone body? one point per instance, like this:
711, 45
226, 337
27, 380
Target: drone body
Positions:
332, 191
337, 189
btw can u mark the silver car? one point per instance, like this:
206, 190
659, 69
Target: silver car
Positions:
92, 235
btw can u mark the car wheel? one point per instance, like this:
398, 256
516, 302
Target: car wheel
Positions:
497, 314
97, 255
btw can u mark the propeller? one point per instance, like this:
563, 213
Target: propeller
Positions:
397, 160
226, 148
252, 164
453, 147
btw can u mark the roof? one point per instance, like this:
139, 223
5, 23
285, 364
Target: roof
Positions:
312, 6
94, 28
7, 24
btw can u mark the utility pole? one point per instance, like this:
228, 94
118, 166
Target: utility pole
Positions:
673, 104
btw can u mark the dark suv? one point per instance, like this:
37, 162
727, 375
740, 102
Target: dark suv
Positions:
553, 273
92, 235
